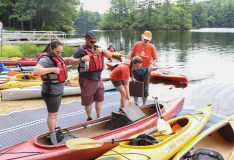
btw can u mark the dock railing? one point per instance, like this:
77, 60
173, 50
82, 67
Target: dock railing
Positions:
36, 37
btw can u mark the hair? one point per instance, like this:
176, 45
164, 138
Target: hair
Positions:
134, 60
53, 44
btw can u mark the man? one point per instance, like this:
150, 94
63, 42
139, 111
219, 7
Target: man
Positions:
146, 51
91, 63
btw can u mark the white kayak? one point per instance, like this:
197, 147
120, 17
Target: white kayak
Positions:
35, 92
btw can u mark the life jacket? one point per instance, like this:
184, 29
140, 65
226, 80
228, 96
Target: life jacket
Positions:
111, 49
96, 62
53, 78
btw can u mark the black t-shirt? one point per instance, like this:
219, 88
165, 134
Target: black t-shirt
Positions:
79, 53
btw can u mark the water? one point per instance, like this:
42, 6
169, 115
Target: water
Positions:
205, 56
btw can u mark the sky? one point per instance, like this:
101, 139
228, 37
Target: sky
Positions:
100, 6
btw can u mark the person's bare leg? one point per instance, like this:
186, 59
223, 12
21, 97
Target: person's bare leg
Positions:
123, 93
52, 121
98, 106
136, 100
144, 100
88, 110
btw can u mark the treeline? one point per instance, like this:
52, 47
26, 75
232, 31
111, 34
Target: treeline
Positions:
87, 19
217, 13
39, 14
183, 14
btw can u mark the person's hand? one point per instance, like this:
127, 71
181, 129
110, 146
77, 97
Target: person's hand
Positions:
129, 102
85, 58
150, 68
56, 70
134, 80
99, 50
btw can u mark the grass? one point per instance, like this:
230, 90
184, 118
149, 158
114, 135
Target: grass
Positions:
29, 50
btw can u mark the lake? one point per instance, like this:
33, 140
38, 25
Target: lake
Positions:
205, 56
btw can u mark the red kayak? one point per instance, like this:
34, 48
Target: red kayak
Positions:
163, 74
41, 147
28, 62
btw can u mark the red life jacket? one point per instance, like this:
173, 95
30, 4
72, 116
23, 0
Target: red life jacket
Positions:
52, 77
111, 49
96, 62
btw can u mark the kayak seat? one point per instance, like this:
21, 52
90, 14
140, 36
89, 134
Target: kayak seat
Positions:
206, 154
144, 140
58, 138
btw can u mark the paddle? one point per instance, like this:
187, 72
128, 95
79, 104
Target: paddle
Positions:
162, 126
121, 51
13, 73
85, 143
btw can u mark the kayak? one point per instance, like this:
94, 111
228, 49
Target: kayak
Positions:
111, 65
41, 148
161, 146
19, 80
218, 138
117, 55
163, 74
35, 91
28, 62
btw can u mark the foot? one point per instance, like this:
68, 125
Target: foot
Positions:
89, 119
136, 104
120, 109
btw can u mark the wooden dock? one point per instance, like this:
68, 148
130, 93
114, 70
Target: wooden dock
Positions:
38, 37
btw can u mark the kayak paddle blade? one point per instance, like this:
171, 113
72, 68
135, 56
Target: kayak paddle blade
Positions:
83, 143
161, 125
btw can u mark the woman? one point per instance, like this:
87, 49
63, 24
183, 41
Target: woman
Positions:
52, 69
120, 78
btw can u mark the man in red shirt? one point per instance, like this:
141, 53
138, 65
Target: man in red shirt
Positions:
146, 51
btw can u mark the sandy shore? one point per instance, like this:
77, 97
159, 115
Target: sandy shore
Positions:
8, 106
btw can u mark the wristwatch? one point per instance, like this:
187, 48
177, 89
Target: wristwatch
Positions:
81, 60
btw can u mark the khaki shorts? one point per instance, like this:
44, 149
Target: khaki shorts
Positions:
91, 91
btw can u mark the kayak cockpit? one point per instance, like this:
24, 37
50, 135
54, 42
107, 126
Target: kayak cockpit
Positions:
90, 128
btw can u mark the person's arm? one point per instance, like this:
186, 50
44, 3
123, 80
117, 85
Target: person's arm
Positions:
75, 61
105, 52
152, 64
132, 54
114, 49
126, 86
40, 70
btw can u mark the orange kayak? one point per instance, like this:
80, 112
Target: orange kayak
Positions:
163, 74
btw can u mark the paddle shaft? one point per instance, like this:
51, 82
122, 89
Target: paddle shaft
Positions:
129, 139
156, 99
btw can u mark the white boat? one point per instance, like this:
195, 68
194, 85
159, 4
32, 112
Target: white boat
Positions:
35, 92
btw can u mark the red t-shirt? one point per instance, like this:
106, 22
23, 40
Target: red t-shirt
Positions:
120, 73
148, 53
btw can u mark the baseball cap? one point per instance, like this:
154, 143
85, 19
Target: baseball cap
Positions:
91, 35
147, 35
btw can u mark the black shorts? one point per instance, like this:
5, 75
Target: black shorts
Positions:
117, 83
52, 102
143, 78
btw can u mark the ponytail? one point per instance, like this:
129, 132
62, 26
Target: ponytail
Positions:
53, 44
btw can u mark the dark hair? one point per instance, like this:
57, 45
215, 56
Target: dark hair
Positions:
53, 44
134, 60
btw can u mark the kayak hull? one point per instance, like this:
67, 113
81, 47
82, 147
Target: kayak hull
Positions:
185, 128
161, 74
23, 62
61, 152
35, 92
212, 139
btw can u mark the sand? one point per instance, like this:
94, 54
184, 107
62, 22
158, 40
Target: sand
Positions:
8, 106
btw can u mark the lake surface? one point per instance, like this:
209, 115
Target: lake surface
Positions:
205, 56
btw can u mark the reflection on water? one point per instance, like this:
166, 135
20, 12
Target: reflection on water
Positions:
205, 56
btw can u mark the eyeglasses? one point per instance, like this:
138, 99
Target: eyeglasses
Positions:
59, 52
92, 41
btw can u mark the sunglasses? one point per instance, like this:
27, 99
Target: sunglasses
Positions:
59, 52
146, 39
92, 41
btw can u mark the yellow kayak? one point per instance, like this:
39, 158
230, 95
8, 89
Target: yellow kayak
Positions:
218, 138
20, 80
164, 147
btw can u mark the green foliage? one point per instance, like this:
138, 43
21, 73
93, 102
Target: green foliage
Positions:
87, 19
12, 29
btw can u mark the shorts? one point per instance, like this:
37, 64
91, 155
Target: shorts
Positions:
143, 78
118, 83
91, 91
52, 103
